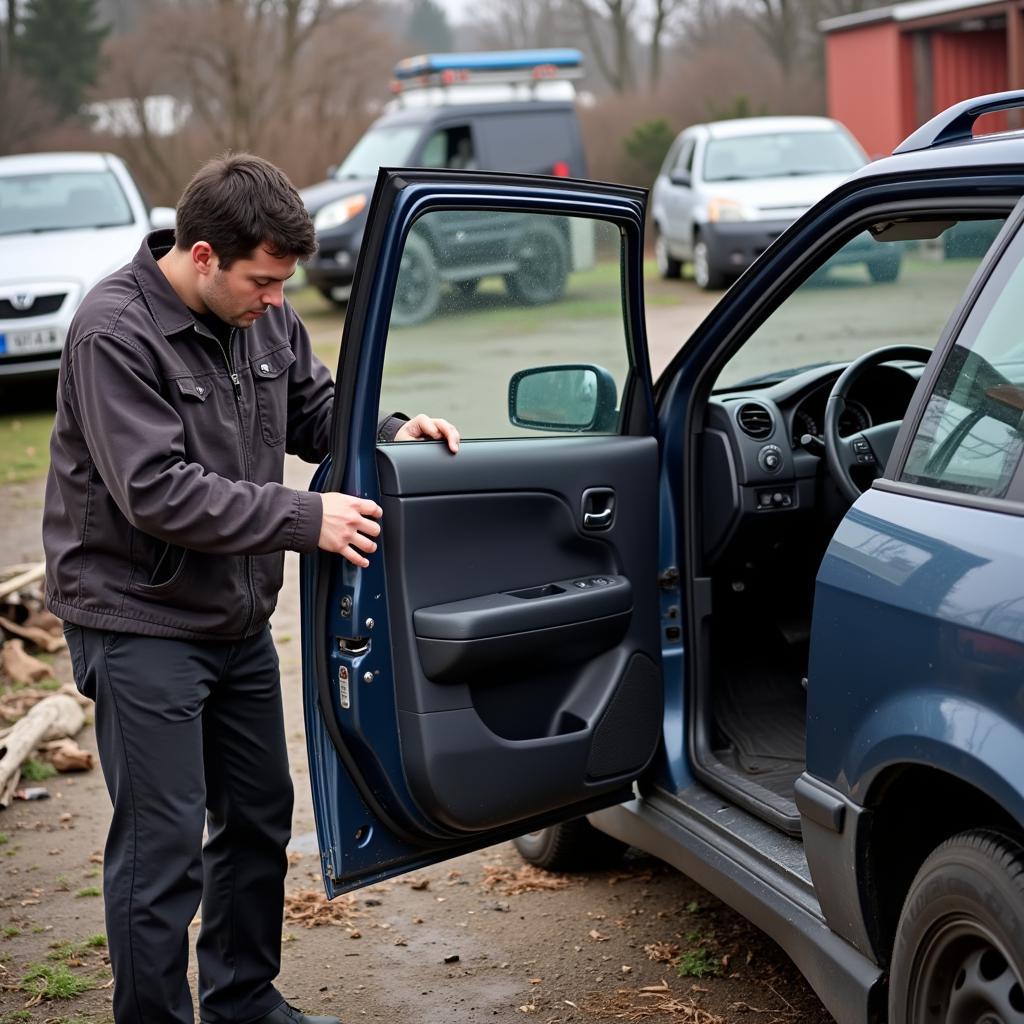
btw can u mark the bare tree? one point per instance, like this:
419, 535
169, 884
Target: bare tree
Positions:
610, 32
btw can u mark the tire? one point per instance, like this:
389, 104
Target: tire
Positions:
668, 266
884, 271
328, 294
959, 950
570, 846
706, 274
418, 289
542, 265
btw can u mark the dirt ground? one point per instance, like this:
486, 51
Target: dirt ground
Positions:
477, 939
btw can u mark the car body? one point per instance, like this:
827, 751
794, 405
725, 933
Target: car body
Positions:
727, 189
66, 221
494, 126
762, 618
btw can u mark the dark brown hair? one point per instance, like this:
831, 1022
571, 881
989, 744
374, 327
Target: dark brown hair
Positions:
238, 202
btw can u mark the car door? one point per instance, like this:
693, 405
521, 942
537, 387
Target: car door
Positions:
497, 666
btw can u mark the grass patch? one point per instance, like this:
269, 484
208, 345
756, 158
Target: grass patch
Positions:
89, 890
10, 932
15, 1017
64, 949
53, 981
699, 963
24, 446
96, 941
37, 771
4, 838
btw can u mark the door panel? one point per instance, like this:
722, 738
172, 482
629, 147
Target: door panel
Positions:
497, 666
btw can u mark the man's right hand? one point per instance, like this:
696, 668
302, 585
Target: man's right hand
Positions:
348, 524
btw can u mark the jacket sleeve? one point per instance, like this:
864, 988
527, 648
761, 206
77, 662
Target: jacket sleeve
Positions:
311, 402
137, 442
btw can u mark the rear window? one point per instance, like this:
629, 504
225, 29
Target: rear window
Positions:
529, 143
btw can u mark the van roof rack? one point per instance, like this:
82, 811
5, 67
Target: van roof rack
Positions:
956, 123
489, 67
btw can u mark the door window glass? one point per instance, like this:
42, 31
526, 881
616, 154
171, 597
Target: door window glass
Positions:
970, 436
483, 295
874, 291
451, 147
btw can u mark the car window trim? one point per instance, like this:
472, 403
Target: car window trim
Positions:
1013, 503
974, 296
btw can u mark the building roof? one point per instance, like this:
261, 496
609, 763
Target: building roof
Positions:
902, 12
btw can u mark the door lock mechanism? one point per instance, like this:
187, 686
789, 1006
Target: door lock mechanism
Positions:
598, 508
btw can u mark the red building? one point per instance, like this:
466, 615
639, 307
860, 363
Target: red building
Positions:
889, 70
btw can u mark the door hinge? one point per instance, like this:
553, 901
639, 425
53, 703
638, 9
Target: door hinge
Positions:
669, 579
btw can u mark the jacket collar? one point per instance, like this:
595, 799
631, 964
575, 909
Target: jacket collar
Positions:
171, 314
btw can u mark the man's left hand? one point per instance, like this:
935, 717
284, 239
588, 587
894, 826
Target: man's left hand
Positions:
427, 428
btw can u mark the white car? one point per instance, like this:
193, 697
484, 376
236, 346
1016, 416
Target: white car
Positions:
728, 189
66, 220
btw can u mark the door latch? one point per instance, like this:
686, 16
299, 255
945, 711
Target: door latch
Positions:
598, 508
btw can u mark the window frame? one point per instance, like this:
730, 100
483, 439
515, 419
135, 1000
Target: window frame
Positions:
978, 297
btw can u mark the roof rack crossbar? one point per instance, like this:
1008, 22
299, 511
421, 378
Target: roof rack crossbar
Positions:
956, 123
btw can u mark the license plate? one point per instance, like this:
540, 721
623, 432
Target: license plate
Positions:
16, 343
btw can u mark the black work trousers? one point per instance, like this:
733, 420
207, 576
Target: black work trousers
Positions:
190, 732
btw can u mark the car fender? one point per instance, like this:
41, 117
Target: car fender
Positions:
929, 728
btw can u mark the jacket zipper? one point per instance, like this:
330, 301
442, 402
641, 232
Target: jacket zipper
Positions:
237, 387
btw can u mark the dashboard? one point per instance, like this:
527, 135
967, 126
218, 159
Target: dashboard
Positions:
755, 468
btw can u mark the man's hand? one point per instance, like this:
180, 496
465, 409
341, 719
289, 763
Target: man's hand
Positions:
423, 428
348, 524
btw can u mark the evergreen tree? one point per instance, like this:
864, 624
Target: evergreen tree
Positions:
58, 46
428, 27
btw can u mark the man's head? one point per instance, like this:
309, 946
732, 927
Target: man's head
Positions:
244, 227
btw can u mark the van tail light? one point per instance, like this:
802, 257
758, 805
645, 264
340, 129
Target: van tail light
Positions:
561, 169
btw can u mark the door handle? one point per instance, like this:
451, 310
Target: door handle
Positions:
598, 508
597, 520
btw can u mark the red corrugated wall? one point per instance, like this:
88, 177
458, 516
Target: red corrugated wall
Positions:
966, 64
869, 88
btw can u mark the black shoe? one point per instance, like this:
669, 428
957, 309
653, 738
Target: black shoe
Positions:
285, 1014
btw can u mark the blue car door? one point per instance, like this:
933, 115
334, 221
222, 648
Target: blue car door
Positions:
497, 666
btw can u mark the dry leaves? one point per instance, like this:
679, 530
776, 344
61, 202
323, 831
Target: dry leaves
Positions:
662, 952
646, 1003
514, 882
312, 909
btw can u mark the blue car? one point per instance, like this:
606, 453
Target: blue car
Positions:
762, 617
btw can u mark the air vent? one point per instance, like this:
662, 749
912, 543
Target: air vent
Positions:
755, 421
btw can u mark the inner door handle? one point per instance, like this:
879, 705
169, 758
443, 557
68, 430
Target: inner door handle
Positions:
598, 507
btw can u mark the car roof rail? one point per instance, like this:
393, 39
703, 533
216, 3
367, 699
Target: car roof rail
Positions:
956, 123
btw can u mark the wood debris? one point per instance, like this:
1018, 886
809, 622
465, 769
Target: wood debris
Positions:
20, 667
56, 716
311, 909
648, 1003
515, 882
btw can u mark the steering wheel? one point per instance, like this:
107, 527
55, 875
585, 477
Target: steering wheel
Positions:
869, 448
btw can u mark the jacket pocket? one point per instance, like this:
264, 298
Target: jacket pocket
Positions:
270, 377
167, 574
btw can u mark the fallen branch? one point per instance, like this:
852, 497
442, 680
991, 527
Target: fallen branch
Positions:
21, 667
52, 718
40, 637
23, 579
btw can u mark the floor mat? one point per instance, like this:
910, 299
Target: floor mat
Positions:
763, 715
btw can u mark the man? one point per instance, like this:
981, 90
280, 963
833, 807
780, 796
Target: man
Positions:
185, 378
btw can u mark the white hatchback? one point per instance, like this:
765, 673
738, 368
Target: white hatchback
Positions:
66, 221
728, 189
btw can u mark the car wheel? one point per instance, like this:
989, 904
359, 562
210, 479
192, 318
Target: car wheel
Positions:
418, 289
884, 271
542, 265
570, 846
668, 266
959, 950
328, 294
705, 273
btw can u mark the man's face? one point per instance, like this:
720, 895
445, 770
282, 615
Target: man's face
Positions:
245, 291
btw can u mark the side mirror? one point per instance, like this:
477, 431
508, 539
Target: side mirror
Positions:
161, 217
682, 178
574, 397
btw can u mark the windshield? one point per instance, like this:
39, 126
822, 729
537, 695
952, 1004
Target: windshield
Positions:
379, 147
781, 155
62, 201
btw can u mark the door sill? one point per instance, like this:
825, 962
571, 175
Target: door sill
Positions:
744, 792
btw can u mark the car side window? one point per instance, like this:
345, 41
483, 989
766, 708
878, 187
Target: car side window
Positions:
509, 324
450, 147
685, 161
668, 165
970, 437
